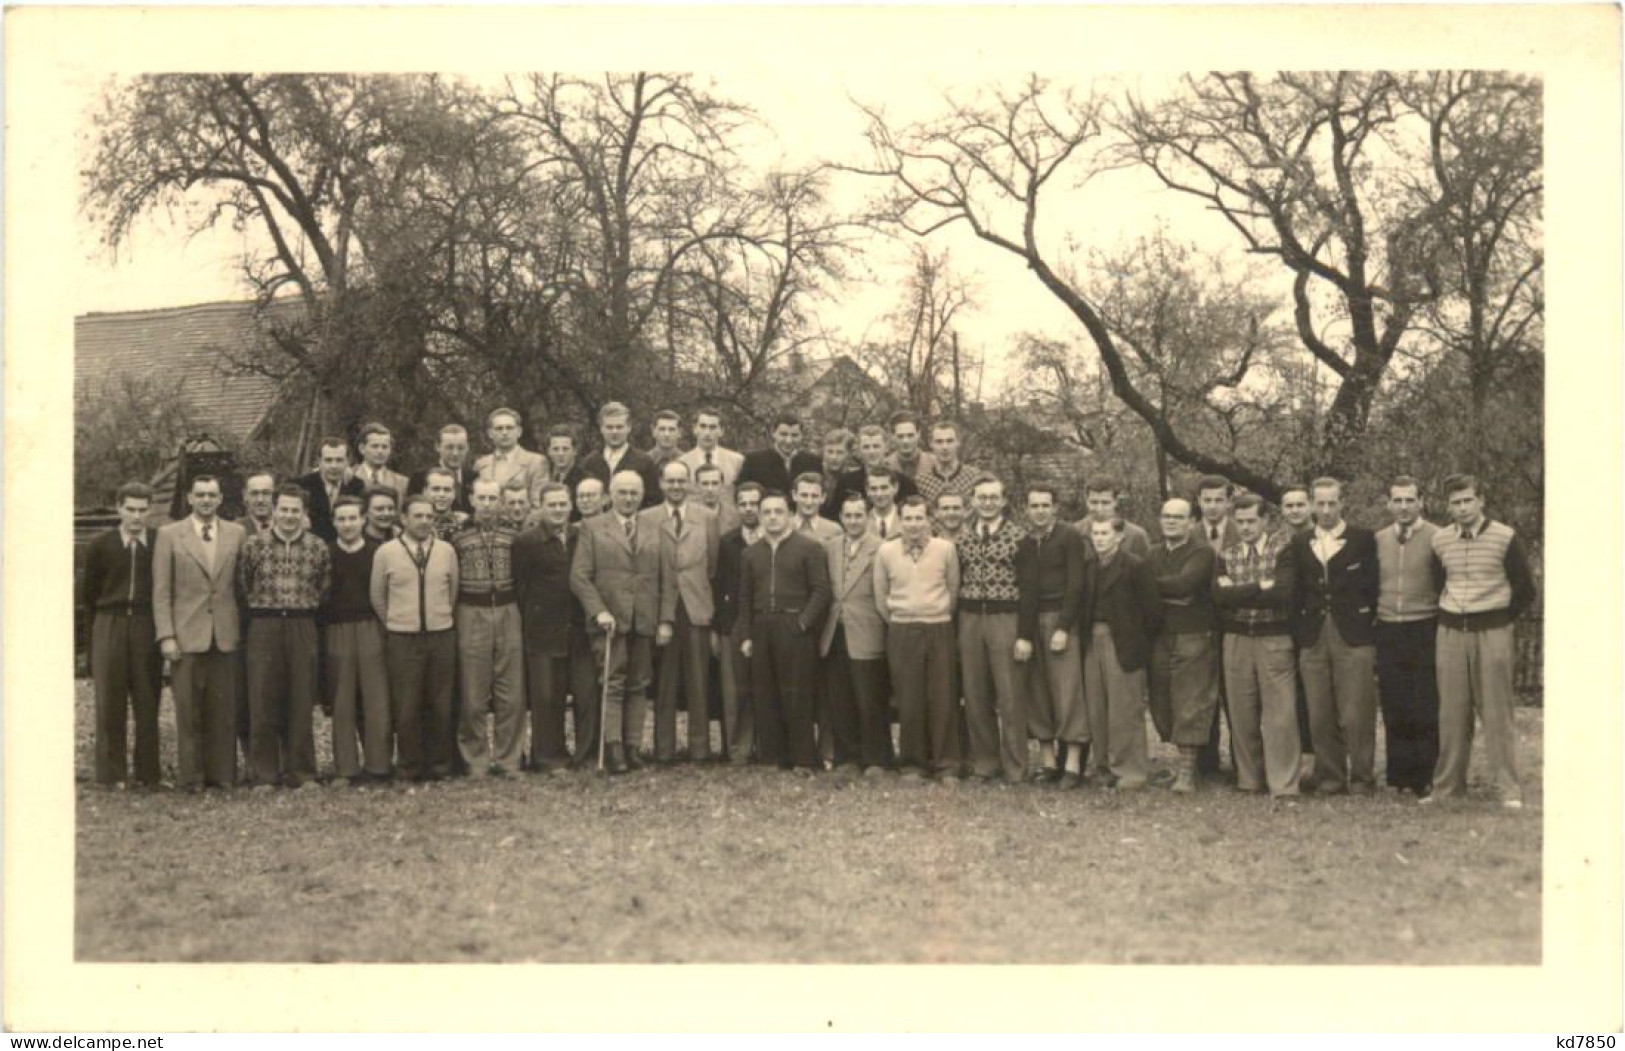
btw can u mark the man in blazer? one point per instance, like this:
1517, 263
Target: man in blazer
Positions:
853, 643
777, 468
116, 596
376, 444
617, 454
549, 614
1334, 624
708, 451
331, 480
688, 560
194, 611
1118, 619
507, 459
452, 455
809, 501
616, 575
738, 714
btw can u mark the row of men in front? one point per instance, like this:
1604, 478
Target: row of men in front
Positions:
1042, 633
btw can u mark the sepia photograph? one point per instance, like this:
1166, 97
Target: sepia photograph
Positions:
661, 512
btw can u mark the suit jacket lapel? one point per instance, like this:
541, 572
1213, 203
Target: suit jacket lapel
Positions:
194, 547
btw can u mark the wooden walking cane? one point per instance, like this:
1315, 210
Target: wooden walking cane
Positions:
603, 696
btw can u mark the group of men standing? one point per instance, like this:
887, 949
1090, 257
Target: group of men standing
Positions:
454, 621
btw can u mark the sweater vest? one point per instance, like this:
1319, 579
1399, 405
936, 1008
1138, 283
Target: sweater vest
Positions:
1475, 570
1406, 574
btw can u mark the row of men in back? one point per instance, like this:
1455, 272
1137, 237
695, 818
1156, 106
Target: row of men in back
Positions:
984, 632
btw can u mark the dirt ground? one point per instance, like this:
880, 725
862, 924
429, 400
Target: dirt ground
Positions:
701, 863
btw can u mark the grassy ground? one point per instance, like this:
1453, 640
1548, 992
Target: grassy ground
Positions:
701, 863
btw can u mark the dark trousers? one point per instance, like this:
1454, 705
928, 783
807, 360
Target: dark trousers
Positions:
1408, 689
128, 672
422, 675
685, 665
921, 657
584, 687
357, 690
857, 706
1306, 744
781, 663
205, 687
1207, 760
244, 720
547, 684
282, 660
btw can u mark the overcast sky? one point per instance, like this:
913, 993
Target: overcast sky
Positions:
808, 115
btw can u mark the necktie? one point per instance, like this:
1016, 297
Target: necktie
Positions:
987, 532
677, 518
132, 544
882, 529
631, 526
208, 533
1213, 533
1404, 533
708, 457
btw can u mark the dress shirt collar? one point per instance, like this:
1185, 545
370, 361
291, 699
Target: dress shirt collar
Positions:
137, 537
1333, 534
989, 529
344, 545
749, 535
1468, 532
213, 526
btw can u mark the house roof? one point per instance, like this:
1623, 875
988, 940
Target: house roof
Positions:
189, 341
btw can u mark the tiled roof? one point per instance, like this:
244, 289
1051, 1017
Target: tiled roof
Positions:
191, 341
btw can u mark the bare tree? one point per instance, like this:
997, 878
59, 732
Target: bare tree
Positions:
917, 356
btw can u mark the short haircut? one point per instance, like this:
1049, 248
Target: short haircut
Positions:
872, 430
708, 468
476, 483
415, 499
1115, 521
855, 498
708, 410
453, 428
786, 419
204, 478
667, 414
1249, 502
903, 416
1045, 488
611, 410
132, 491
1457, 483
549, 488
916, 501
774, 494
945, 425
1212, 481
293, 489
838, 434
1103, 483
331, 442
561, 430
949, 494
346, 501
1294, 487
885, 473
987, 479
807, 478
382, 492
1325, 481
516, 485
370, 429
750, 487
260, 472
1403, 481
503, 410
442, 473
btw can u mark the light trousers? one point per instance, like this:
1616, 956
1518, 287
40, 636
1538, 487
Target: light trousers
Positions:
1055, 705
995, 695
491, 675
1261, 681
1116, 701
1475, 678
1340, 681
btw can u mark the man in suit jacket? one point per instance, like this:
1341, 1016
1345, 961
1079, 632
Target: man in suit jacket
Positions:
507, 460
738, 714
784, 594
710, 491
617, 455
550, 615
326, 484
195, 616
854, 644
1215, 528
1121, 610
376, 444
616, 576
688, 560
116, 596
708, 451
562, 462
452, 455
777, 468
1334, 623
809, 500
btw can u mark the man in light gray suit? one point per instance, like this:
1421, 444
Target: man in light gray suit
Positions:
854, 644
688, 560
616, 575
194, 610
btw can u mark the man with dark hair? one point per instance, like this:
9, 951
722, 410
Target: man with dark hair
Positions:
1406, 639
907, 459
1297, 518
1334, 622
778, 467
948, 513
562, 462
414, 594
1253, 589
1184, 674
439, 486
871, 464
589, 503
916, 588
1100, 496
1486, 583
784, 593
838, 461
551, 616
881, 491
324, 486
514, 501
709, 452
196, 620
376, 444
617, 453
357, 680
712, 491
507, 459
1218, 532
381, 512
667, 428
451, 448
853, 643
688, 539
284, 577
490, 642
989, 612
1296, 514
1120, 605
259, 498
738, 714
116, 596
1050, 575
947, 473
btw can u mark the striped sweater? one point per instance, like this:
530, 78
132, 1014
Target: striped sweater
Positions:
1483, 573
